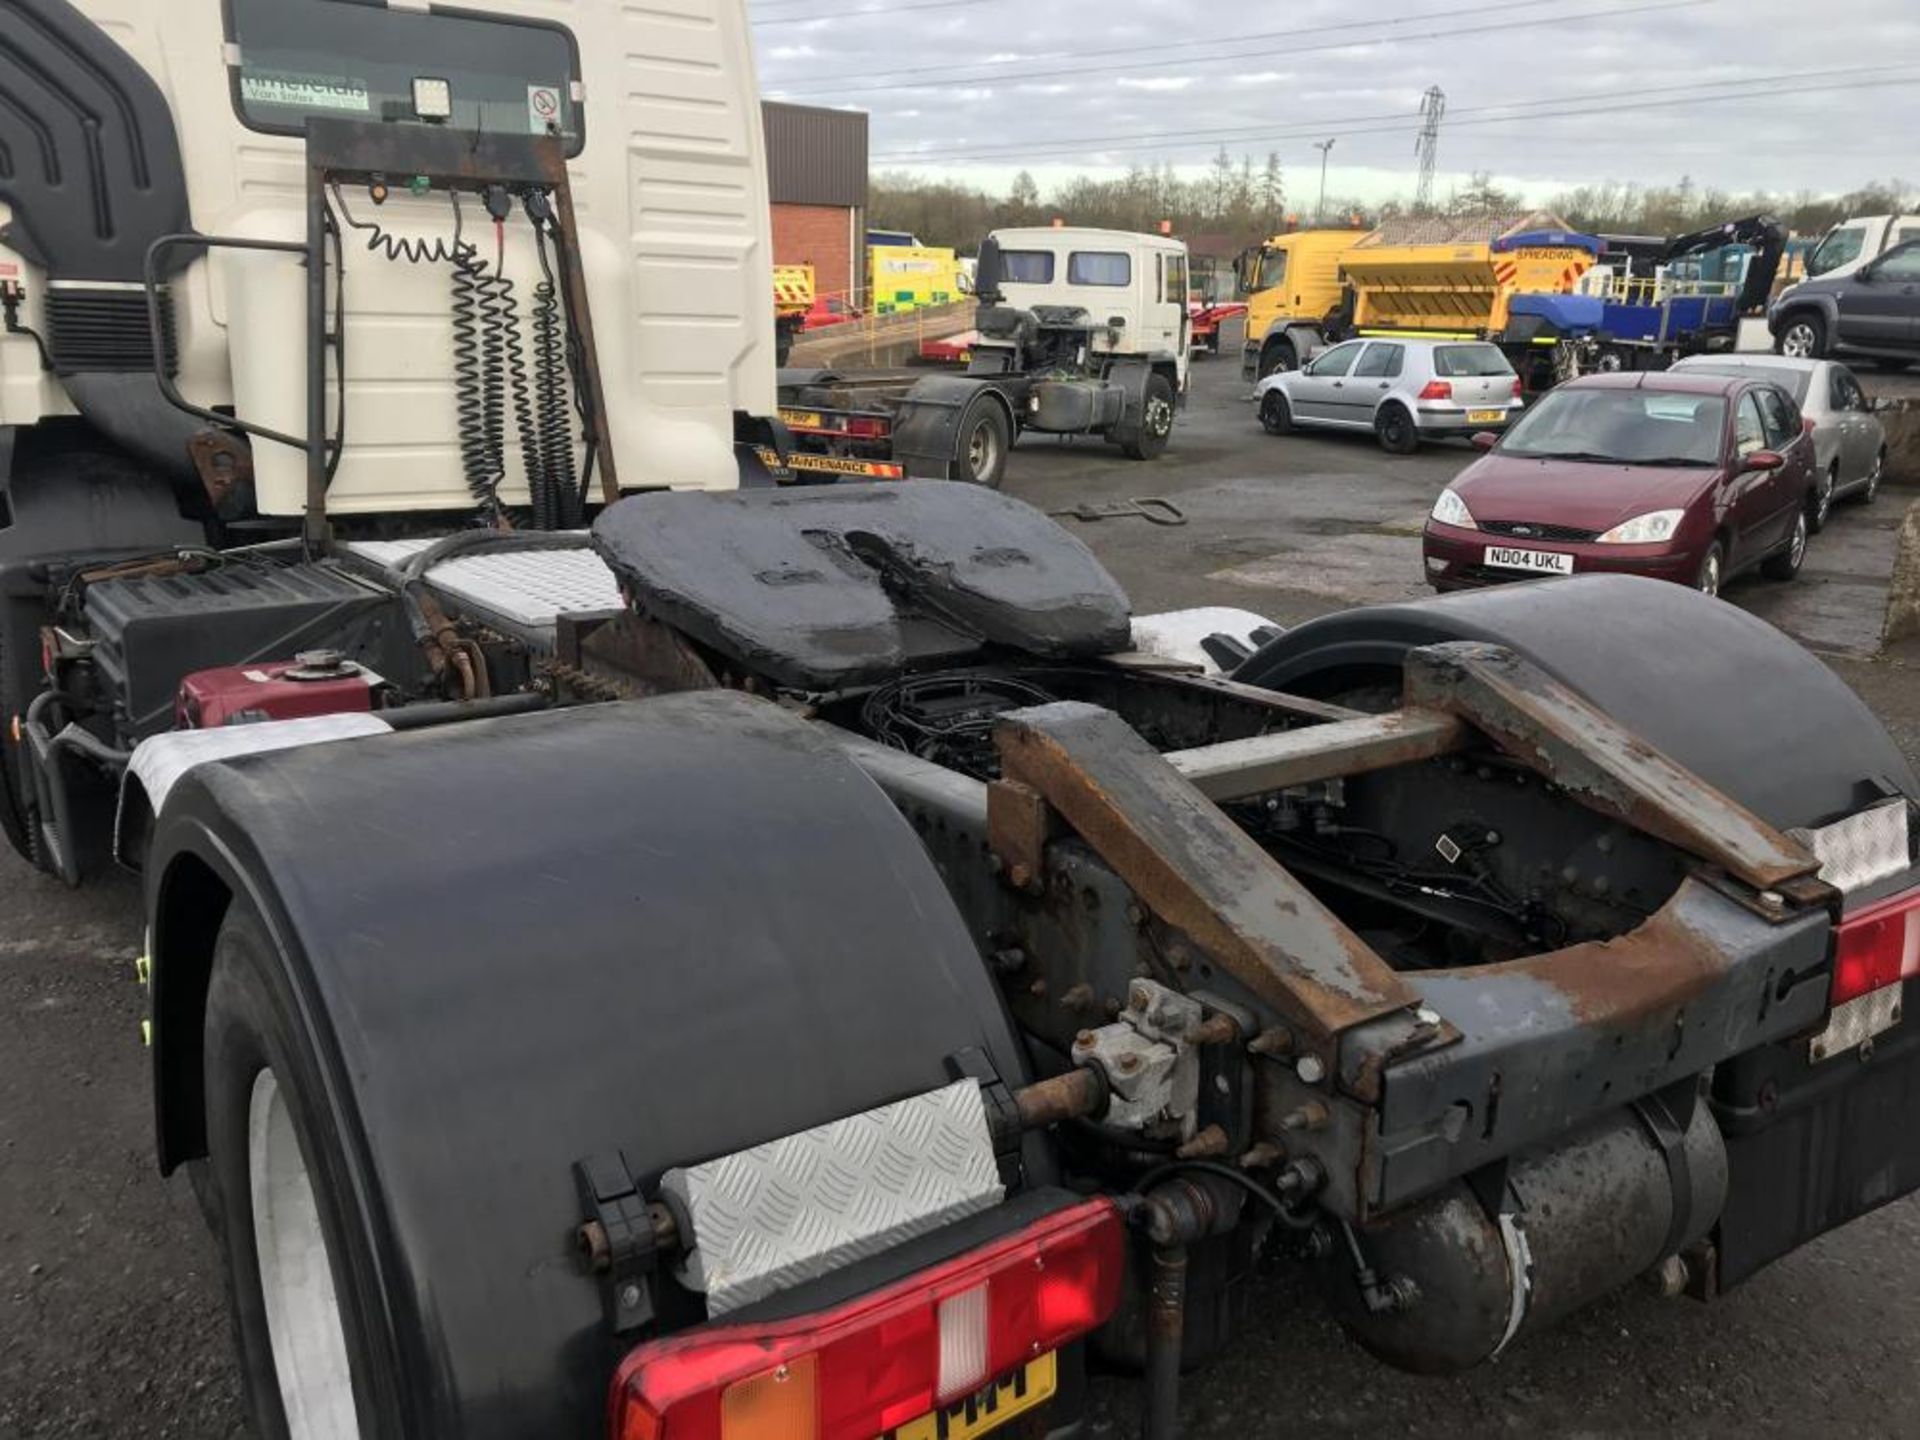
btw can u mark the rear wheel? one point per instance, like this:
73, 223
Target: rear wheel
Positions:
1398, 434
1820, 502
1276, 415
278, 1196
1156, 422
1803, 337
1713, 570
1278, 358
985, 440
1785, 562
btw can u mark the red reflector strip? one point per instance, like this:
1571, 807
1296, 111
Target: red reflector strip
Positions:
1876, 948
876, 1362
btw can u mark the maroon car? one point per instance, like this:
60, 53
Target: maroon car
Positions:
1685, 477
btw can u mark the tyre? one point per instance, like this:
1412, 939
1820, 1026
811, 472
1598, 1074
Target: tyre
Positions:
1785, 562
1871, 490
1820, 501
1278, 358
1156, 422
1802, 337
1276, 415
1396, 430
1713, 570
986, 439
14, 782
276, 1182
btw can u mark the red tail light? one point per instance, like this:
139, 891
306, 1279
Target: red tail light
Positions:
1876, 948
887, 1358
1519, 389
1437, 390
868, 427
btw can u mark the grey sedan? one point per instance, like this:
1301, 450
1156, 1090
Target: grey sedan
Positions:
1403, 391
1849, 445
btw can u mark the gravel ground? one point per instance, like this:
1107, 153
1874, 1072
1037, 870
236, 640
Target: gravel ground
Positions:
112, 1320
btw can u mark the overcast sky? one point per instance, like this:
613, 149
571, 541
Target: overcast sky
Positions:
1742, 94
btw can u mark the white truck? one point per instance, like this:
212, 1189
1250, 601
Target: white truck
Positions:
1080, 332
782, 964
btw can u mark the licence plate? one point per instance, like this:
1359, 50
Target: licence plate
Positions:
803, 419
1543, 562
1485, 417
986, 1410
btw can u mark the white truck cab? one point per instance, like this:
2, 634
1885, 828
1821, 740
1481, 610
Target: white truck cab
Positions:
1139, 281
1852, 243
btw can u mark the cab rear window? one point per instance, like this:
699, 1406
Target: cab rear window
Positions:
304, 58
1027, 267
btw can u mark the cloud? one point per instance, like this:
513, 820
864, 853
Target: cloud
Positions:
1799, 104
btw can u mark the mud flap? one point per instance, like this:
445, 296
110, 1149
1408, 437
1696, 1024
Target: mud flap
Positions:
926, 428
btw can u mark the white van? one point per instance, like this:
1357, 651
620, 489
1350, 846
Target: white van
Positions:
1852, 243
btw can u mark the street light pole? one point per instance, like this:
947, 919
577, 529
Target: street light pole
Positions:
1320, 212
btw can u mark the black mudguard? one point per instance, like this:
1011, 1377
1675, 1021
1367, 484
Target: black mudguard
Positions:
926, 428
1725, 694
675, 928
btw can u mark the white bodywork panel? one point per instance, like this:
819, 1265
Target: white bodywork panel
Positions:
671, 195
1155, 319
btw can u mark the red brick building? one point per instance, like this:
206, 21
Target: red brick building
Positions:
817, 176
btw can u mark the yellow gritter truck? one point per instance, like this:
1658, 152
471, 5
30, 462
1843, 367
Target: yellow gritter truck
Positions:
1433, 277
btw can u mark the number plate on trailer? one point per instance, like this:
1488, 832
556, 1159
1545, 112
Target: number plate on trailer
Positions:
988, 1409
803, 419
1542, 562
1485, 417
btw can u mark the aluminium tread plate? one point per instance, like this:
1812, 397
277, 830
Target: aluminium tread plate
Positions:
523, 592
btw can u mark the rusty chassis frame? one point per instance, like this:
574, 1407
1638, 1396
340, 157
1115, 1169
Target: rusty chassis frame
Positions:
1373, 1085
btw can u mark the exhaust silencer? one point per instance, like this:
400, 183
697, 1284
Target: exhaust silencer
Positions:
1490, 1261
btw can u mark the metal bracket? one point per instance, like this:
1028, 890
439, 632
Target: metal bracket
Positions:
1572, 742
619, 1239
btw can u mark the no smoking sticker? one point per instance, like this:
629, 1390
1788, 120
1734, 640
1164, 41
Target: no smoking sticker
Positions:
543, 109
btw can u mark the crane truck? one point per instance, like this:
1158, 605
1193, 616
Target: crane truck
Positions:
767, 960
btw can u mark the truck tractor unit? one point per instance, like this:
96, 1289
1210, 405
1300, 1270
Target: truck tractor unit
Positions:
780, 962
1079, 332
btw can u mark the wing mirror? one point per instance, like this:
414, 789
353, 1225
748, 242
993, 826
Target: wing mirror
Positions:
1865, 274
1761, 460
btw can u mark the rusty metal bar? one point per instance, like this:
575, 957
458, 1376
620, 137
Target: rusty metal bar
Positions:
1198, 871
1239, 768
1543, 724
1079, 1094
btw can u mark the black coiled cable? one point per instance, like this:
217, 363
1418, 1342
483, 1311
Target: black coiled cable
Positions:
554, 423
403, 248
482, 468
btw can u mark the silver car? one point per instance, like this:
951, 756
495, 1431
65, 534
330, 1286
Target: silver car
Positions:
1849, 445
1404, 391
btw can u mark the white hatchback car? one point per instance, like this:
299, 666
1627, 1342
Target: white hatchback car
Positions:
1404, 391
1849, 443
